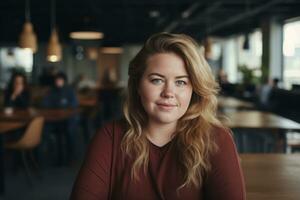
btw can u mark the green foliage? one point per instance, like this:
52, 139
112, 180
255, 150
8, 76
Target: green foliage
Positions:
248, 75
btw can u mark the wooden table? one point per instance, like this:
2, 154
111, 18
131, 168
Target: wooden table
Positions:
257, 125
88, 101
271, 176
10, 126
258, 120
26, 115
233, 103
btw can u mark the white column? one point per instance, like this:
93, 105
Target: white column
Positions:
129, 51
276, 40
272, 47
229, 59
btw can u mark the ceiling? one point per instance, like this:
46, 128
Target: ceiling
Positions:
132, 21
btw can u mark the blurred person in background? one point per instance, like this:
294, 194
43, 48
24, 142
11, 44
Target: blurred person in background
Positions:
17, 94
226, 87
264, 93
83, 83
62, 96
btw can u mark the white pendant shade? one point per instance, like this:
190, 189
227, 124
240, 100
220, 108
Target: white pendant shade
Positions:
28, 37
54, 50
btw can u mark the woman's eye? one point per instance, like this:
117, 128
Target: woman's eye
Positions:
156, 81
180, 83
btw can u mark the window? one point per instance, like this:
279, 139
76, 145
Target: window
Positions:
14, 58
291, 54
251, 57
235, 54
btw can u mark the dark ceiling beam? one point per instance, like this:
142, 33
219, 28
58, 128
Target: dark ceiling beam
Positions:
203, 15
184, 15
244, 15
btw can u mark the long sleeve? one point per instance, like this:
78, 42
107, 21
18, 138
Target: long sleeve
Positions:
7, 99
21, 101
225, 181
93, 180
47, 100
73, 98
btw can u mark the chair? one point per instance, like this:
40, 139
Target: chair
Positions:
30, 140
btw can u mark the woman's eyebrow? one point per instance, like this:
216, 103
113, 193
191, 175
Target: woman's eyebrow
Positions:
177, 77
184, 76
156, 74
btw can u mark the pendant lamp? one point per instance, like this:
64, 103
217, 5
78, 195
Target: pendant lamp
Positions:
28, 38
246, 44
87, 30
111, 50
54, 49
208, 48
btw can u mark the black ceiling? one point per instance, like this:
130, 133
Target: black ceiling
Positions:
131, 21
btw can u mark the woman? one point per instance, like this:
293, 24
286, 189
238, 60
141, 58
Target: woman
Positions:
171, 146
17, 93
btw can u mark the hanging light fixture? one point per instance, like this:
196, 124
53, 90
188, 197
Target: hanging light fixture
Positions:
88, 30
54, 49
28, 38
86, 35
111, 50
208, 47
246, 44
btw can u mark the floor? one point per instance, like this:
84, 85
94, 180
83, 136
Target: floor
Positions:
53, 182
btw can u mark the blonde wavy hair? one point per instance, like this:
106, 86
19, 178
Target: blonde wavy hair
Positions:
194, 140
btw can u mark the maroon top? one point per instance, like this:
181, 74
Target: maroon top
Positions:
106, 171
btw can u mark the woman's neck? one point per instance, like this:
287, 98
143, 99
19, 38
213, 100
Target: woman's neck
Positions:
159, 134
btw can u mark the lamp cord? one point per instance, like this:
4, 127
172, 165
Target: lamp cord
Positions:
53, 13
27, 11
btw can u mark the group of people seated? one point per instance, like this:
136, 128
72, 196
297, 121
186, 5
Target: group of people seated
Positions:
60, 95
258, 93
55, 92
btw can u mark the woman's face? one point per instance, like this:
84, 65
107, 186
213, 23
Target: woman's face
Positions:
165, 89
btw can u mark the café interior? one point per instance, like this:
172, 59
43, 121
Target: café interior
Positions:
252, 47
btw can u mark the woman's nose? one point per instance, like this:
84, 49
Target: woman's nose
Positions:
168, 91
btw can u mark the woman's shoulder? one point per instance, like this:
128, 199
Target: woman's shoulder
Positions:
113, 129
107, 137
226, 152
222, 136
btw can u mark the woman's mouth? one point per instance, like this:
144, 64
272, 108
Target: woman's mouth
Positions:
166, 106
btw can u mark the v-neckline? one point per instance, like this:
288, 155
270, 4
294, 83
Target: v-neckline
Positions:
160, 148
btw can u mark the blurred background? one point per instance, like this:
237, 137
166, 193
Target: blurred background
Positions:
72, 60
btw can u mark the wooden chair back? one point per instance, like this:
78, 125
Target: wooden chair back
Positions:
32, 136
